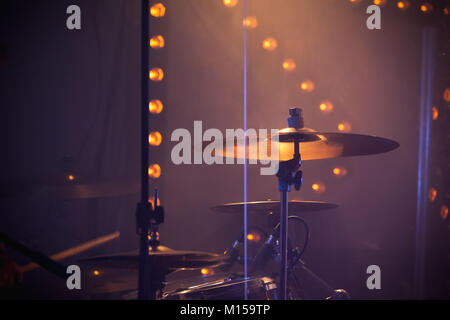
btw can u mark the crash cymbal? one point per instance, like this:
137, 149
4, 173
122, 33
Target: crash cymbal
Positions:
313, 145
266, 207
163, 257
67, 187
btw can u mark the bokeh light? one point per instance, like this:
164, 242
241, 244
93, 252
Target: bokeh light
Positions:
380, 3
444, 212
432, 194
155, 106
157, 42
230, 3
326, 106
154, 138
426, 7
250, 22
434, 113
447, 95
307, 86
344, 126
339, 171
289, 65
318, 187
269, 44
403, 5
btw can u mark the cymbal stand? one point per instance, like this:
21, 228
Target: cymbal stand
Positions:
288, 174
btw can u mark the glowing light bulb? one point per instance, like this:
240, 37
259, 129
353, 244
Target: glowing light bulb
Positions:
379, 3
250, 237
157, 42
444, 212
155, 106
96, 272
154, 171
326, 106
344, 127
447, 95
289, 65
426, 7
269, 44
307, 86
154, 138
230, 3
158, 10
250, 22
434, 113
156, 74
403, 5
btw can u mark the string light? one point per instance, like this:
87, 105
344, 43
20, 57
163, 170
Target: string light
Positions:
154, 138
250, 22
289, 65
155, 106
380, 3
447, 95
269, 44
154, 171
307, 86
426, 7
156, 74
432, 194
158, 10
96, 272
434, 113
403, 5
339, 171
157, 42
444, 212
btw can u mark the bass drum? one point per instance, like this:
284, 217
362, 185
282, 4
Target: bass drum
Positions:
258, 288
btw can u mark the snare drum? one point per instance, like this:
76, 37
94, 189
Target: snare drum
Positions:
258, 288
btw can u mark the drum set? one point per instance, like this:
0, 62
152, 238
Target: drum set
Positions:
142, 274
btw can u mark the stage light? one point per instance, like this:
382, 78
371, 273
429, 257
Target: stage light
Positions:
434, 113
250, 22
432, 194
326, 106
379, 3
155, 106
230, 3
156, 74
289, 65
339, 171
403, 5
447, 95
344, 127
426, 7
444, 212
154, 171
269, 44
307, 86
157, 42
154, 138
158, 10
318, 187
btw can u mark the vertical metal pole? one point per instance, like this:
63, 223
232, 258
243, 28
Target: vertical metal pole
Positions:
426, 85
143, 289
284, 241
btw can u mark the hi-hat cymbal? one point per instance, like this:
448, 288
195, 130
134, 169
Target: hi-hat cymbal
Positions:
266, 207
66, 187
163, 257
313, 145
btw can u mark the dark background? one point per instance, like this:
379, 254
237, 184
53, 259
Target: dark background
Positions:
78, 93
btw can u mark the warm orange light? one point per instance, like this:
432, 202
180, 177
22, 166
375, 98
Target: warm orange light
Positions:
434, 113
432, 194
155, 106
289, 65
426, 7
269, 44
339, 171
230, 3
447, 95
403, 5
152, 201
96, 272
380, 3
446, 10
154, 171
318, 187
70, 178
154, 138
157, 42
354, 1
307, 86
326, 106
158, 10
250, 22
156, 74
250, 237
344, 127
444, 212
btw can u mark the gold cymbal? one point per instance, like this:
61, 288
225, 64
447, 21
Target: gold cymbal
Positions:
313, 145
267, 207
